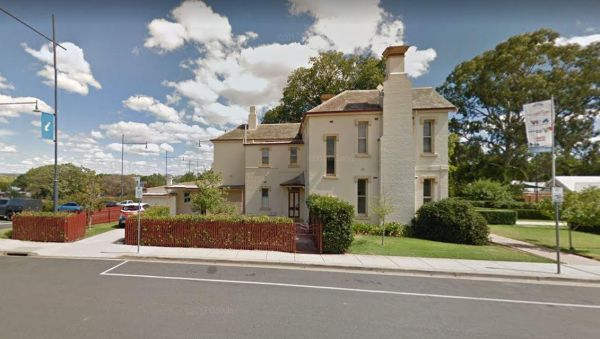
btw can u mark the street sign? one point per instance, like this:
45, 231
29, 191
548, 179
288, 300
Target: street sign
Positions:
47, 126
557, 195
138, 181
139, 192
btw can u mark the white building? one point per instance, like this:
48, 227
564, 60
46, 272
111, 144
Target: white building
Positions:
359, 145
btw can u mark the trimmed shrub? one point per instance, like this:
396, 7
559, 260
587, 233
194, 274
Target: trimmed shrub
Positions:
337, 216
533, 214
392, 229
157, 211
499, 217
497, 194
450, 220
581, 210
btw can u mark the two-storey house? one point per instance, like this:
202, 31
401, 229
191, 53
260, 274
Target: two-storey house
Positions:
362, 146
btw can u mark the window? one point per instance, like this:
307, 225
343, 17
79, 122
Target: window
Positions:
361, 194
293, 155
186, 197
264, 198
264, 157
428, 136
362, 136
330, 155
427, 190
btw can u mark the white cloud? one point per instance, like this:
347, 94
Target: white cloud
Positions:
4, 84
583, 40
143, 150
74, 72
14, 111
96, 134
417, 61
144, 103
158, 132
4, 148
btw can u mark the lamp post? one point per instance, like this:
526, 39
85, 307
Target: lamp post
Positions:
54, 45
123, 143
167, 157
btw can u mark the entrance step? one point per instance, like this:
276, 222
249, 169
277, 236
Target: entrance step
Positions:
305, 244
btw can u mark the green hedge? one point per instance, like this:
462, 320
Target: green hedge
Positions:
157, 211
450, 220
337, 216
499, 217
392, 229
533, 214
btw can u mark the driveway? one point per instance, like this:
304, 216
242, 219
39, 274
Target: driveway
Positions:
5, 224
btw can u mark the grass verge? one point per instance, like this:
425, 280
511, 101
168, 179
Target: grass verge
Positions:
586, 244
5, 233
100, 228
413, 247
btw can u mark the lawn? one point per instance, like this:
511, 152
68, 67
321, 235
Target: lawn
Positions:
586, 244
412, 247
5, 233
100, 228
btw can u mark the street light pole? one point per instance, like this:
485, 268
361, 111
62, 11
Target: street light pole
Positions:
54, 44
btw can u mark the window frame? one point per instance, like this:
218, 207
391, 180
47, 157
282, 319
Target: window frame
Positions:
262, 157
430, 138
431, 196
294, 149
264, 206
365, 138
331, 156
187, 197
364, 196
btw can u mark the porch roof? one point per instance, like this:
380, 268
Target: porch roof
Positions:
297, 181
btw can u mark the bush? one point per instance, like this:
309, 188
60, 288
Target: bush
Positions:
336, 216
499, 217
534, 214
581, 210
450, 220
497, 194
392, 229
225, 218
157, 211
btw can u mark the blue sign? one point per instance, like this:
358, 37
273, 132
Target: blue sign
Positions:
47, 126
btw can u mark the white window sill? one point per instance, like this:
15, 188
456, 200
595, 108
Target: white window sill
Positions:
429, 155
294, 166
362, 155
333, 177
361, 217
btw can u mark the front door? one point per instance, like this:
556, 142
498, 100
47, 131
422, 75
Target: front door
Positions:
294, 203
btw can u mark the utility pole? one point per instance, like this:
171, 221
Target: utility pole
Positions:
123, 143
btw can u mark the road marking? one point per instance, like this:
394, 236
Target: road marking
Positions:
112, 268
345, 289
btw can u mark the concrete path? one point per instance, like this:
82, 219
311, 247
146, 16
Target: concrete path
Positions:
540, 223
566, 258
107, 245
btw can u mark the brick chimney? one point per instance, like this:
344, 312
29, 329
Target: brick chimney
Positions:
252, 119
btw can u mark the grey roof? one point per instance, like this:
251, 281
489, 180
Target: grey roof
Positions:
368, 100
294, 182
264, 132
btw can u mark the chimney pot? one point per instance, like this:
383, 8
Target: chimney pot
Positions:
394, 59
252, 119
325, 97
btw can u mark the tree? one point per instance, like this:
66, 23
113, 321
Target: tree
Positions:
382, 208
111, 185
89, 195
154, 180
490, 90
39, 181
329, 73
189, 176
211, 197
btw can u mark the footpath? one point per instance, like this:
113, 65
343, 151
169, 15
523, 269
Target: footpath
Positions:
109, 245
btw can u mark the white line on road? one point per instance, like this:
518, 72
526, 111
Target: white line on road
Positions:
344, 289
112, 268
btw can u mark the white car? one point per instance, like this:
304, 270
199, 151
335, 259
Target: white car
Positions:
125, 202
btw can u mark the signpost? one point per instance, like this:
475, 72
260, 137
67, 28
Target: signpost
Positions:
139, 192
539, 125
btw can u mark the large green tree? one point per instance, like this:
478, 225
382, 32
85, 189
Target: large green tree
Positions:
211, 197
39, 181
490, 90
329, 73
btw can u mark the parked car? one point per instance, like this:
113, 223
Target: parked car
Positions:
70, 207
111, 204
18, 205
131, 209
125, 202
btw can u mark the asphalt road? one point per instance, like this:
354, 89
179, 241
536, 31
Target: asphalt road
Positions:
62, 298
5, 224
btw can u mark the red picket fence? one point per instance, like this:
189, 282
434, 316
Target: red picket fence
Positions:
49, 228
212, 234
108, 214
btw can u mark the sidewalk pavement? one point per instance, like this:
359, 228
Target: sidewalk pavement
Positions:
548, 253
107, 245
534, 223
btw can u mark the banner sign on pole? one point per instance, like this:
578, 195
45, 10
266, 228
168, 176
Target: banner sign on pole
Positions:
539, 124
558, 195
47, 126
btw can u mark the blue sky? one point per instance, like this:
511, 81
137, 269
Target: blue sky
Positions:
172, 73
